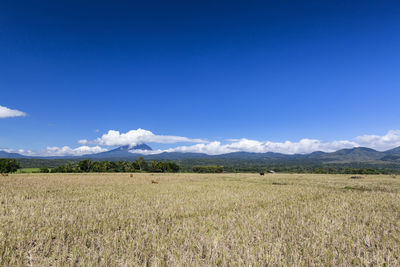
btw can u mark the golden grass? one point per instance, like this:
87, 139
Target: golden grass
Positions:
199, 219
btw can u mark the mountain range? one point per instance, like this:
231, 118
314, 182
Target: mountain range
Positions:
358, 154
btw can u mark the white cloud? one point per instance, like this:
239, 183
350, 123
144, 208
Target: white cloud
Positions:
212, 148
83, 142
146, 152
390, 140
58, 151
68, 151
19, 151
8, 113
139, 136
246, 145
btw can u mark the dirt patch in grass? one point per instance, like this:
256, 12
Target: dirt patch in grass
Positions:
369, 189
278, 183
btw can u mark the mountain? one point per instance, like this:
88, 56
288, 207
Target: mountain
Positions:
316, 154
122, 152
394, 151
8, 155
392, 155
127, 148
357, 154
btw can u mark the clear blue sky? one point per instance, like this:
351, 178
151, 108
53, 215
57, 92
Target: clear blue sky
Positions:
263, 70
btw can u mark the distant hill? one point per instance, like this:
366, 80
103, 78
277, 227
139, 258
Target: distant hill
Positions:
357, 154
392, 155
394, 151
7, 155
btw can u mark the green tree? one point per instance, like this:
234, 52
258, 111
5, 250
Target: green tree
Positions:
44, 170
84, 165
143, 166
8, 165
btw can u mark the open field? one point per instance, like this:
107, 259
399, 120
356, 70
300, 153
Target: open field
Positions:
199, 219
28, 170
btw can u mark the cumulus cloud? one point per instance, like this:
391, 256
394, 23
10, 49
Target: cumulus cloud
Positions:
146, 152
19, 151
212, 148
68, 151
139, 136
8, 113
58, 151
83, 142
390, 140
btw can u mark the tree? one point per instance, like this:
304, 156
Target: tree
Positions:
142, 164
97, 166
172, 167
8, 165
44, 170
84, 165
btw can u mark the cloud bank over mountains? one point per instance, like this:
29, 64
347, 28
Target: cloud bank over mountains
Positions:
59, 151
388, 141
66, 150
245, 145
134, 137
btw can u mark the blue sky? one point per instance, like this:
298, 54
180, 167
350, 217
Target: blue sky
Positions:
272, 71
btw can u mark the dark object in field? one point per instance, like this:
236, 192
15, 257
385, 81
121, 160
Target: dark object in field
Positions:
131, 175
276, 183
154, 182
261, 173
4, 174
356, 177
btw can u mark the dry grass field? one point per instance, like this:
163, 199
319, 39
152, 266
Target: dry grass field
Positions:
199, 219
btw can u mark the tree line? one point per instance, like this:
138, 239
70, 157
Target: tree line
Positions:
208, 169
195, 165
139, 165
289, 166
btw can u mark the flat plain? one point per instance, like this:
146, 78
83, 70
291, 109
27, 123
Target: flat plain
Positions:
199, 219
